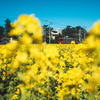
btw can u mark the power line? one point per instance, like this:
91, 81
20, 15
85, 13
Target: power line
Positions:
59, 24
6, 17
15, 18
51, 22
40, 20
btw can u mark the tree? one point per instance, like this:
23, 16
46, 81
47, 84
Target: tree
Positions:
1, 32
46, 33
67, 31
7, 27
74, 31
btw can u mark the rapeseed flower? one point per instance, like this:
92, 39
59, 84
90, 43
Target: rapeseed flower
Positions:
22, 57
29, 28
96, 28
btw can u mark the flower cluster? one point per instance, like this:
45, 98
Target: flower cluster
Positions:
27, 28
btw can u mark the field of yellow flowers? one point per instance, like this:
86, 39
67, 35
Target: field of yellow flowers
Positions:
49, 71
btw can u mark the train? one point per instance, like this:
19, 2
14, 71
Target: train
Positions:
67, 40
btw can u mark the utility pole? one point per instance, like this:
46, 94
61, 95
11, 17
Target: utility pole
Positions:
44, 31
49, 34
84, 32
79, 35
84, 35
45, 35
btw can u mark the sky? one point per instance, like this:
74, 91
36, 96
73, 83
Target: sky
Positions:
60, 13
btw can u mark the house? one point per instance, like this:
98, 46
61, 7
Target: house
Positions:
55, 33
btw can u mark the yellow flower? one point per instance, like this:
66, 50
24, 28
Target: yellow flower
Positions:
17, 92
62, 63
22, 57
93, 42
41, 91
15, 64
26, 25
37, 37
3, 78
25, 39
16, 31
96, 29
23, 19
24, 77
14, 97
12, 46
73, 42
98, 92
73, 91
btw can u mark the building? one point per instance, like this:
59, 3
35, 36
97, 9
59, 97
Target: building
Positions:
55, 33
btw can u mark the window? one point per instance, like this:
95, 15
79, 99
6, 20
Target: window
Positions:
54, 31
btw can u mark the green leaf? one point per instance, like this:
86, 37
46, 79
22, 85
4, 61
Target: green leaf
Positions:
1, 86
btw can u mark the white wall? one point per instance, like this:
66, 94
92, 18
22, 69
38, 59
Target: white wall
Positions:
58, 31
